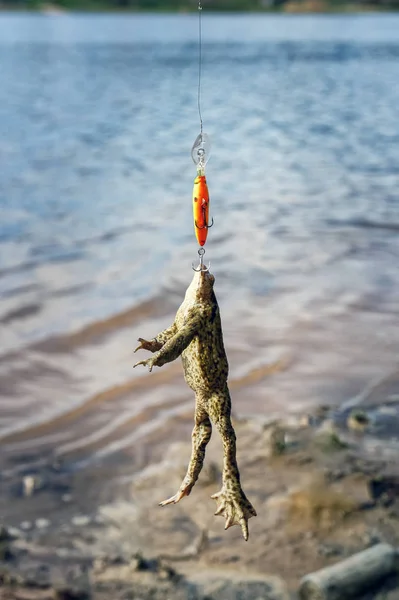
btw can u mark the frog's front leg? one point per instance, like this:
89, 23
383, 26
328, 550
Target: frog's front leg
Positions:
173, 348
231, 500
158, 341
200, 437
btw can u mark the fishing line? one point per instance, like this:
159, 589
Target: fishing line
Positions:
199, 61
200, 154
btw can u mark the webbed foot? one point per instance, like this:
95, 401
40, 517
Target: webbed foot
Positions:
150, 345
149, 362
237, 509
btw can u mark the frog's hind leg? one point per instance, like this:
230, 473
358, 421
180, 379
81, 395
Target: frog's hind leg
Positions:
200, 437
232, 503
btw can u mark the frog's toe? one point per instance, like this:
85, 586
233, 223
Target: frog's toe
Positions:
150, 345
236, 509
149, 362
142, 345
177, 497
221, 503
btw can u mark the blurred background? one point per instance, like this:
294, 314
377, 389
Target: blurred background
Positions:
98, 113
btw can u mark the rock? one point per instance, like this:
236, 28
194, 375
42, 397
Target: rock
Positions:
66, 528
335, 474
75, 586
351, 577
63, 552
99, 519
250, 589
321, 412
30, 484
315, 418
25, 525
100, 563
15, 533
328, 440
372, 537
273, 440
394, 512
384, 488
168, 573
66, 498
28, 576
42, 523
306, 421
5, 534
140, 563
300, 458
37, 577
3, 575
5, 552
69, 593
358, 420
80, 520
5, 547
330, 550
6, 576
318, 505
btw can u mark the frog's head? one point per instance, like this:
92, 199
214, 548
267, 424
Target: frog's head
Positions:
202, 284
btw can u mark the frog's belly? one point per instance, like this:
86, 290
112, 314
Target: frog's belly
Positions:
205, 367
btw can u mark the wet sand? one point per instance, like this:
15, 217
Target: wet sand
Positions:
315, 499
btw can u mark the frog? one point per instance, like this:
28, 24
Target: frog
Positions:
196, 335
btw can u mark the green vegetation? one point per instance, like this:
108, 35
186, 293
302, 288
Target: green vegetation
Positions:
329, 441
293, 6
143, 5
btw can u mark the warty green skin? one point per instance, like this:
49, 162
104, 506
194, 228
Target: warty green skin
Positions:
196, 336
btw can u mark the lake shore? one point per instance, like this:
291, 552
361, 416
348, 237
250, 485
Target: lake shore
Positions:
321, 493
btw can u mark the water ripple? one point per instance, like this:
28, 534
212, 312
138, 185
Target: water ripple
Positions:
97, 117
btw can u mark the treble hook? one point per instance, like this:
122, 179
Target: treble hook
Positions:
201, 265
206, 225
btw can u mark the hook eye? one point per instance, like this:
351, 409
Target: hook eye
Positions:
201, 266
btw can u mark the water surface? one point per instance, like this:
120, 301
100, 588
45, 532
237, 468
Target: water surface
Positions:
97, 117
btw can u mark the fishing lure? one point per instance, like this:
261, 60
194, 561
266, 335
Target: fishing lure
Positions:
200, 155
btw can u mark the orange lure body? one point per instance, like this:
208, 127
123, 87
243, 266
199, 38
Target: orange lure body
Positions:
201, 209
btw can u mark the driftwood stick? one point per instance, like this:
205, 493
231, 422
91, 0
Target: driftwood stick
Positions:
350, 577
